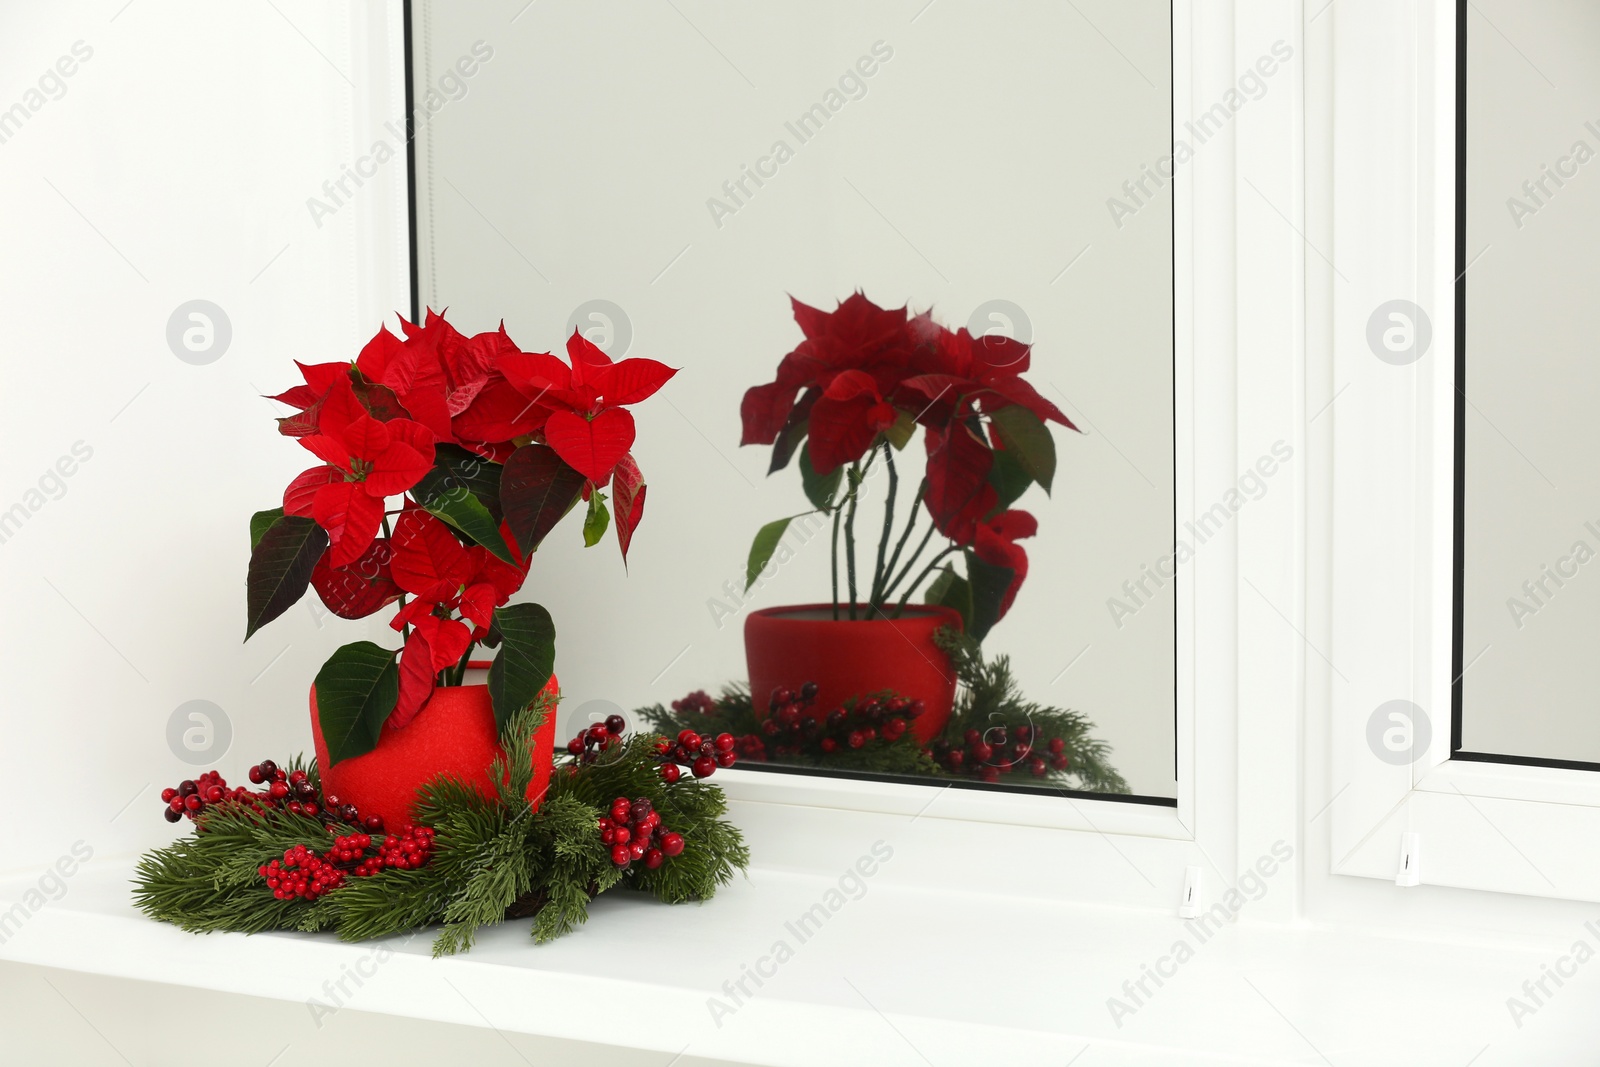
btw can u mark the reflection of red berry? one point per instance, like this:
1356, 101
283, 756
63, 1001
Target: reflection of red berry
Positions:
1056, 746
828, 744
1036, 767
988, 773
857, 739
980, 752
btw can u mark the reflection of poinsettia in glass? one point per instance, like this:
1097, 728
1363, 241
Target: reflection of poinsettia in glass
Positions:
854, 391
487, 447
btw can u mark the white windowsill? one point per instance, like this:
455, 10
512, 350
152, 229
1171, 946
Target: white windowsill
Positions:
898, 976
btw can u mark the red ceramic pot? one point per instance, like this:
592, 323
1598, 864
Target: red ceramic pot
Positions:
790, 646
453, 734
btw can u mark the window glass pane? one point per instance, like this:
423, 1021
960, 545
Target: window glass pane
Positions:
1530, 507
666, 177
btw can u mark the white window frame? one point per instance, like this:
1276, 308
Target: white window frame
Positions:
1239, 385
1390, 188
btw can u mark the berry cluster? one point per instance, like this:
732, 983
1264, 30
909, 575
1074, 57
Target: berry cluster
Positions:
634, 832
702, 755
589, 743
699, 702
793, 727
290, 791
193, 794
305, 874
996, 751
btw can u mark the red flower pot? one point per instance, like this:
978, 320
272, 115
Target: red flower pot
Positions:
453, 734
790, 646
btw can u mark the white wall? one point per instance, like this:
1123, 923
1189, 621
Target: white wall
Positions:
175, 165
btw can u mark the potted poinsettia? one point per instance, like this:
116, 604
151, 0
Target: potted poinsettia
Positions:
846, 401
445, 461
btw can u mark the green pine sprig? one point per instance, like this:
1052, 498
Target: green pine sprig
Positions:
495, 857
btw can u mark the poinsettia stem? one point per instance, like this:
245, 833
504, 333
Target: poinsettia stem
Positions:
878, 575
850, 536
837, 516
405, 633
894, 560
911, 560
461, 667
912, 588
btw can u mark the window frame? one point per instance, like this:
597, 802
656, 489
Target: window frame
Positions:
1104, 850
1393, 191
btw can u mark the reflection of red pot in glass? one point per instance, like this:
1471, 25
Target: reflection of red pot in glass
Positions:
789, 646
453, 734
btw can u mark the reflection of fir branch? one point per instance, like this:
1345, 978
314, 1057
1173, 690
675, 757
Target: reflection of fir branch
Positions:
494, 858
990, 697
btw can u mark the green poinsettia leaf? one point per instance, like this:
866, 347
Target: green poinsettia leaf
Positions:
1022, 432
820, 489
281, 562
989, 584
260, 523
596, 521
450, 491
1009, 479
950, 590
356, 690
762, 548
527, 658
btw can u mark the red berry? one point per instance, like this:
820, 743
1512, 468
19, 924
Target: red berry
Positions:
167, 795
187, 788
621, 835
672, 843
575, 746
670, 772
256, 776
615, 724
653, 858
193, 802
703, 766
724, 742
172, 816
689, 739
637, 849
620, 855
